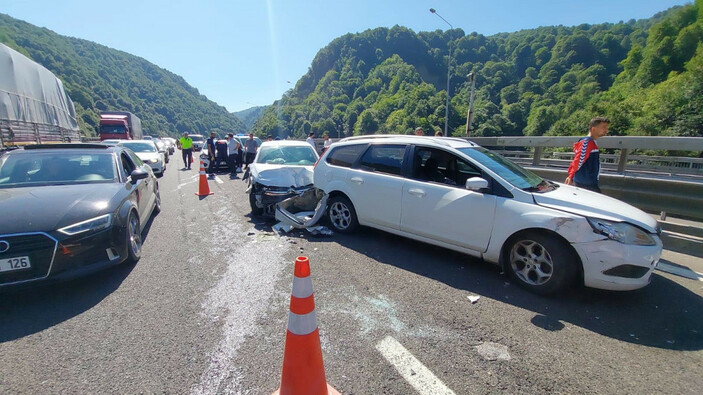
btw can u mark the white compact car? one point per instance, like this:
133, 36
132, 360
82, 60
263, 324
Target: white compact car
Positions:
452, 193
281, 169
146, 151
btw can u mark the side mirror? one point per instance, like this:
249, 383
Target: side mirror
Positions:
476, 184
138, 174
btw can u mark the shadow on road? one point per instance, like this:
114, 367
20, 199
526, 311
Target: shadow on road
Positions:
31, 310
663, 315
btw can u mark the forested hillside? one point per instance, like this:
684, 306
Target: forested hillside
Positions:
100, 78
250, 115
646, 75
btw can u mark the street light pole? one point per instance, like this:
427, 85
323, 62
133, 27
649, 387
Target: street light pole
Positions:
470, 111
449, 68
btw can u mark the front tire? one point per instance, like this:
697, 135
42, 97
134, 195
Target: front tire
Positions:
134, 238
255, 210
342, 215
541, 263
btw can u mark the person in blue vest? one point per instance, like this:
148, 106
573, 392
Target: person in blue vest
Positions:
585, 167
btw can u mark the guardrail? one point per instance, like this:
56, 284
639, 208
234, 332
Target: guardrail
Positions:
653, 183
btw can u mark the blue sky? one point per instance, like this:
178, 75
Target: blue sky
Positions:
245, 53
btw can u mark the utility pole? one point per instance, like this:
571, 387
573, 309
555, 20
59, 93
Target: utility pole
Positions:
470, 112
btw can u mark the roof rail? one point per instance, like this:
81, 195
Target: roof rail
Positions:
66, 145
437, 139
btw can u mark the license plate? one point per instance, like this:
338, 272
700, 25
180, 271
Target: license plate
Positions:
16, 263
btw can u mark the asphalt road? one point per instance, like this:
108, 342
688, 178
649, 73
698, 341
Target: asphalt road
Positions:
205, 311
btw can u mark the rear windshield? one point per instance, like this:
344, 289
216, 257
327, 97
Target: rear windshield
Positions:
140, 147
56, 168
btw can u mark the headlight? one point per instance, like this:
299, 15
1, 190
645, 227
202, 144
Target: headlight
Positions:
151, 160
621, 232
93, 225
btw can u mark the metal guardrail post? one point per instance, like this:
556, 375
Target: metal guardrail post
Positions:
622, 163
538, 156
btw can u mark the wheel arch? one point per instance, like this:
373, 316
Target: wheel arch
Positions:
503, 260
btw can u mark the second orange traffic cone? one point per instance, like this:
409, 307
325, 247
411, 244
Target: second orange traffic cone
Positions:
303, 370
203, 188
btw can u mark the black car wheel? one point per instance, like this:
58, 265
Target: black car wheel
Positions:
134, 237
342, 215
157, 202
541, 263
254, 209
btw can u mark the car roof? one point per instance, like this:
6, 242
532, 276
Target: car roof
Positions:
137, 141
65, 147
454, 142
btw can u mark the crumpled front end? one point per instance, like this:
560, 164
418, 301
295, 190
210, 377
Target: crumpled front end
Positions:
266, 197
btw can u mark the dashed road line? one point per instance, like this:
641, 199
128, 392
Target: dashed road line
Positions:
412, 370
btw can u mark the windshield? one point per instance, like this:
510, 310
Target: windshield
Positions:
55, 168
509, 171
287, 155
140, 147
112, 129
197, 138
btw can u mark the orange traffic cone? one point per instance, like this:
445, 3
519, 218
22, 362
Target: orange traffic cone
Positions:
303, 371
203, 188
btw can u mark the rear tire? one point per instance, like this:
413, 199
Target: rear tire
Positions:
157, 202
342, 215
134, 238
541, 263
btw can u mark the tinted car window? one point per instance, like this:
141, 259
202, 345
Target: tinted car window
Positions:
345, 156
383, 158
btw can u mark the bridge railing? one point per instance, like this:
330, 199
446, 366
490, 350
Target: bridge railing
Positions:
671, 184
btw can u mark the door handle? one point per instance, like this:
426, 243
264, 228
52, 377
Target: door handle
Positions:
417, 192
357, 180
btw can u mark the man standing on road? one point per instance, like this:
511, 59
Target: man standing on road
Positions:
211, 153
585, 167
185, 144
250, 149
233, 146
311, 140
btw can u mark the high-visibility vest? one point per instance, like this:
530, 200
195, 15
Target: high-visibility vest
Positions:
186, 142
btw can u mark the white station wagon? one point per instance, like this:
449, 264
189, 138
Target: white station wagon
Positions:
455, 194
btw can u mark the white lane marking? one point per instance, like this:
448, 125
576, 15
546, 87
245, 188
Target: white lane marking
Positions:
679, 270
412, 370
218, 180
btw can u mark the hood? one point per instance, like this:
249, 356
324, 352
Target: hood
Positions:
281, 175
47, 208
591, 204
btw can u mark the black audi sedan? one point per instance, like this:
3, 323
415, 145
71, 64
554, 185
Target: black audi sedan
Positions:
71, 209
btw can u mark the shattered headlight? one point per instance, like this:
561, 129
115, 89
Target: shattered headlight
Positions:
621, 232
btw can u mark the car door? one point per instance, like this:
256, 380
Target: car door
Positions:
441, 208
142, 189
375, 185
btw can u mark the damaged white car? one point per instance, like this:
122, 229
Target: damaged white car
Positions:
452, 193
281, 169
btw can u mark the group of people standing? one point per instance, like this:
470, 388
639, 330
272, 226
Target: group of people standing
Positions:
235, 155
